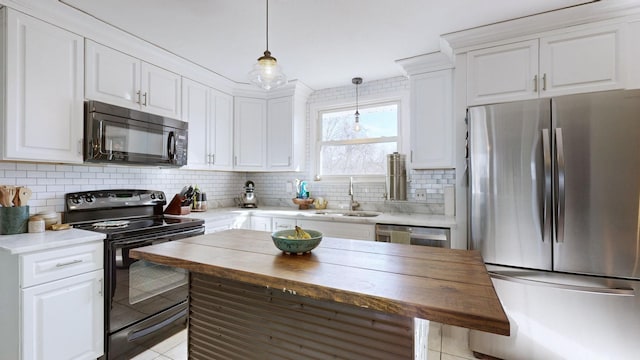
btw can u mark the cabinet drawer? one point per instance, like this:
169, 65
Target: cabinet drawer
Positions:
50, 265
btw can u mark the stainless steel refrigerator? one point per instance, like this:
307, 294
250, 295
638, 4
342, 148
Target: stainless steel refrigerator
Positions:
554, 208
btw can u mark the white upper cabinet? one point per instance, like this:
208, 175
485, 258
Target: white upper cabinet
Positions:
194, 111
117, 78
280, 123
210, 116
432, 120
581, 61
221, 122
567, 63
503, 73
42, 83
160, 91
250, 134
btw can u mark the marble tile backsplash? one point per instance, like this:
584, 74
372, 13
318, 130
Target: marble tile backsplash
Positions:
272, 190
50, 182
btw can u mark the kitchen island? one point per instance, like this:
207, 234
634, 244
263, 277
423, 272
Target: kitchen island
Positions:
346, 299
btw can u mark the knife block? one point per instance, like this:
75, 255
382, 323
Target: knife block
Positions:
175, 206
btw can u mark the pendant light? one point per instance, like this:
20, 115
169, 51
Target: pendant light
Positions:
357, 81
266, 73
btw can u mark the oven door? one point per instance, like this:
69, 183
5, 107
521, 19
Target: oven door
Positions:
115, 139
143, 299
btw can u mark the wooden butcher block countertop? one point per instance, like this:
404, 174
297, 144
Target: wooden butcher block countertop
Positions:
442, 285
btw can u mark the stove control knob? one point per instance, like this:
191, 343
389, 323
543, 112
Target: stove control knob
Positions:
76, 200
89, 198
160, 196
153, 196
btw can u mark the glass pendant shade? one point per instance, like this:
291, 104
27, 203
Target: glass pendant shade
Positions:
266, 73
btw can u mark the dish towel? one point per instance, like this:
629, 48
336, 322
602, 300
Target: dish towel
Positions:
400, 237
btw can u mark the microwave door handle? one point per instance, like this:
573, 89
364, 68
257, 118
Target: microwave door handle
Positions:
171, 146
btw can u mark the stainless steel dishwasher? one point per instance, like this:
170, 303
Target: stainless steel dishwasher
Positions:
414, 235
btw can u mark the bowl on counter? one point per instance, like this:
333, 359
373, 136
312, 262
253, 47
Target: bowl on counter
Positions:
303, 204
296, 246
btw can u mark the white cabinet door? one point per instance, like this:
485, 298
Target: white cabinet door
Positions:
283, 224
581, 61
112, 77
194, 111
250, 145
262, 223
432, 120
280, 135
119, 79
221, 130
64, 319
503, 73
341, 230
160, 91
43, 117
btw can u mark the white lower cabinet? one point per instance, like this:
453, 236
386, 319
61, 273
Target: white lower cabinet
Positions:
341, 229
261, 223
52, 303
64, 319
345, 230
283, 224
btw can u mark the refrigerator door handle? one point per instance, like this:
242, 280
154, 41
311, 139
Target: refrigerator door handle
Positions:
546, 204
561, 189
587, 289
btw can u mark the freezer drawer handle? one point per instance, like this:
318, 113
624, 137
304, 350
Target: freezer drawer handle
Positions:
587, 289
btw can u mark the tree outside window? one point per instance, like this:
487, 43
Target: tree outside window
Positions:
345, 151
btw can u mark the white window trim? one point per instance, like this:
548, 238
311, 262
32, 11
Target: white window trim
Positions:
315, 110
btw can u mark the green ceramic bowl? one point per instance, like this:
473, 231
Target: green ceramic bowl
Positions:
296, 246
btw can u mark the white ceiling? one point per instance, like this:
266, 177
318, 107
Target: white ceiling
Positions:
323, 43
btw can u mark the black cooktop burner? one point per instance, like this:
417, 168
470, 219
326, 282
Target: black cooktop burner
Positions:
123, 213
134, 227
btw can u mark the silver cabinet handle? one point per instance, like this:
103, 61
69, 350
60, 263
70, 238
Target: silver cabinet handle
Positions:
544, 82
535, 83
546, 213
235, 160
138, 93
101, 288
145, 99
561, 186
213, 159
588, 289
80, 146
76, 261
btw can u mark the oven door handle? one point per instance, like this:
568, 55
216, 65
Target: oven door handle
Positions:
132, 336
154, 239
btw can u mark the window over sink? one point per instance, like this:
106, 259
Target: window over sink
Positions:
343, 150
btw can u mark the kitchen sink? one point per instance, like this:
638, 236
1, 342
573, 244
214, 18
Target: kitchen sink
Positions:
349, 213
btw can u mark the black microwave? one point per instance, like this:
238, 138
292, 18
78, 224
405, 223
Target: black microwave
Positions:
118, 135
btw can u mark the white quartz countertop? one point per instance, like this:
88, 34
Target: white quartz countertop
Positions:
331, 215
28, 242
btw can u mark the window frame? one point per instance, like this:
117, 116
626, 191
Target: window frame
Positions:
401, 98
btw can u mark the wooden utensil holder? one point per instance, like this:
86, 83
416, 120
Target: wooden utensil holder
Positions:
175, 206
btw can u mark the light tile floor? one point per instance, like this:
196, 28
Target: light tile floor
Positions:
173, 348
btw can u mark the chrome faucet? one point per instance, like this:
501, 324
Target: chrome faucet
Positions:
353, 204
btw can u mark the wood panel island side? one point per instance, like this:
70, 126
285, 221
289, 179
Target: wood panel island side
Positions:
347, 299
